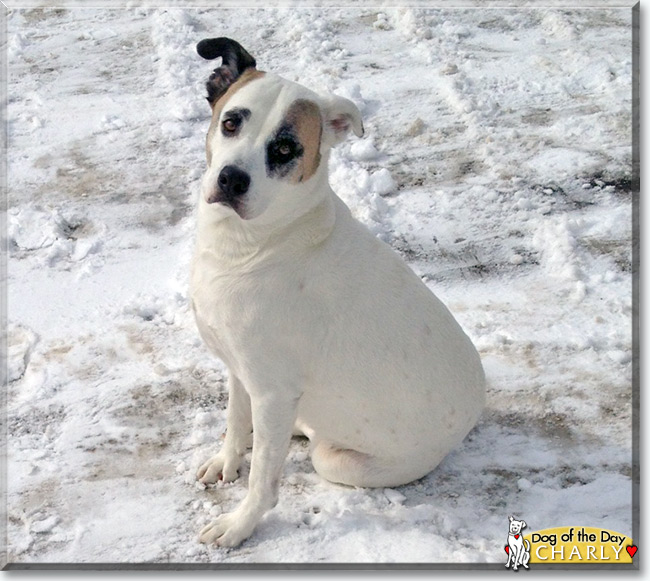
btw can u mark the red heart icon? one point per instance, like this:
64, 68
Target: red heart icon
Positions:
631, 550
507, 548
516, 536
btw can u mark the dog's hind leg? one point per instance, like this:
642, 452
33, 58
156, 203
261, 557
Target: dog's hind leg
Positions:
340, 465
526, 554
346, 466
300, 428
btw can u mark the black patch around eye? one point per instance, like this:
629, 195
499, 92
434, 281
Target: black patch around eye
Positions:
282, 154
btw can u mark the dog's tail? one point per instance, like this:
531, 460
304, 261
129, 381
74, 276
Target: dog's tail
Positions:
527, 545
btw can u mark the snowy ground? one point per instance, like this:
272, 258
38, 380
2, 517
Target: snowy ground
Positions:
497, 161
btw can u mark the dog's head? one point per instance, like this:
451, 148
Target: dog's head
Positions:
516, 526
268, 140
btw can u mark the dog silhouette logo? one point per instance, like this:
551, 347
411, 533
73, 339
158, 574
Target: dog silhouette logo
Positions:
518, 548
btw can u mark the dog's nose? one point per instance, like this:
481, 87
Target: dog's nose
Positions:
233, 182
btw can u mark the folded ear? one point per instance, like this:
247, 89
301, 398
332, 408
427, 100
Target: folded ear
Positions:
234, 61
340, 117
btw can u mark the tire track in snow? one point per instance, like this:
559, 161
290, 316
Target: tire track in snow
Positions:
495, 108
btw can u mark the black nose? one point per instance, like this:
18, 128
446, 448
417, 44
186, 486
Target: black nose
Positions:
233, 182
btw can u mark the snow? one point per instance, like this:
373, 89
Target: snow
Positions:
496, 160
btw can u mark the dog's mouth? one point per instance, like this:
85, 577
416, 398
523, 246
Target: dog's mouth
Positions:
218, 199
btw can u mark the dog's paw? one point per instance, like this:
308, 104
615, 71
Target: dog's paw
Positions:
218, 467
229, 530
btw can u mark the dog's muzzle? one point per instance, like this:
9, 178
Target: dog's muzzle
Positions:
232, 184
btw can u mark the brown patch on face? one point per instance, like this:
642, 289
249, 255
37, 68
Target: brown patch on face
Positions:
246, 77
305, 118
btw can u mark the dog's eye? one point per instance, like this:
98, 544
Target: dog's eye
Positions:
281, 154
233, 120
230, 125
284, 150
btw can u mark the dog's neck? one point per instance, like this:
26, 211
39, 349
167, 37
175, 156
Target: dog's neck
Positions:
236, 243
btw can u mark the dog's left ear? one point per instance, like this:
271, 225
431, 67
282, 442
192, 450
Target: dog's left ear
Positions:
235, 60
523, 524
340, 117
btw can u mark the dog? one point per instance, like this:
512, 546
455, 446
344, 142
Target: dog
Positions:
518, 547
325, 331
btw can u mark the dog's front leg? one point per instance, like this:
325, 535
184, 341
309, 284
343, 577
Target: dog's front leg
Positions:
273, 419
225, 465
515, 557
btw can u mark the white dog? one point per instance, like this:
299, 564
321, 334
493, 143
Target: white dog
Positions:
518, 552
324, 329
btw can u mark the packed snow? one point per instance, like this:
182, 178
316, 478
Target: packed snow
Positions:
497, 161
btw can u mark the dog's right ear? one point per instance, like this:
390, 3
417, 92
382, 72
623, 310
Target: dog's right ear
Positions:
234, 61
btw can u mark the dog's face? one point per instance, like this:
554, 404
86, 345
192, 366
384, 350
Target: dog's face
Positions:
516, 525
268, 141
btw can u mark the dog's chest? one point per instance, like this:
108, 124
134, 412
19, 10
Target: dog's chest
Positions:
234, 311
216, 301
515, 539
